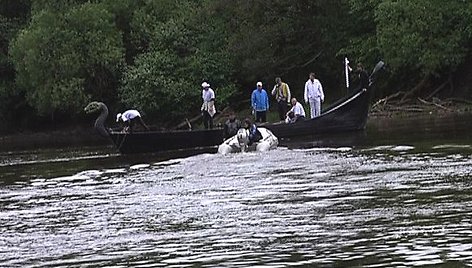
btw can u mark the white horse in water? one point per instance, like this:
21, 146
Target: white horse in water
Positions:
240, 142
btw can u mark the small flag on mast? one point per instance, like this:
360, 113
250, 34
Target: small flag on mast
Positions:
347, 69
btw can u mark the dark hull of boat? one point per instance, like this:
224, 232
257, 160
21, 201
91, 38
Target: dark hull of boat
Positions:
348, 114
148, 142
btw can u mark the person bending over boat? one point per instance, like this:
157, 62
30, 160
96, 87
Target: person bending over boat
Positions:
314, 95
232, 125
254, 134
129, 118
208, 107
296, 113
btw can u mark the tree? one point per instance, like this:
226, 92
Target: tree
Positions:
423, 40
13, 16
179, 52
286, 38
426, 36
64, 59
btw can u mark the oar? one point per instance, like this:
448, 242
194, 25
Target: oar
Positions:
377, 68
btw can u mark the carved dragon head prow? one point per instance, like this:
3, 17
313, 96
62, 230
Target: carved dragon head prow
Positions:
95, 107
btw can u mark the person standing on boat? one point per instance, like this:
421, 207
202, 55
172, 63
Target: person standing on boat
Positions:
260, 103
363, 76
129, 118
314, 95
208, 107
296, 113
363, 79
281, 91
232, 125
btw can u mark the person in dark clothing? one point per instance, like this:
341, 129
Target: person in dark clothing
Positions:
231, 127
254, 134
363, 77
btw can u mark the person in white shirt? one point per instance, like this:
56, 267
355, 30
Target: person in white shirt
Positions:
314, 95
129, 118
296, 113
208, 107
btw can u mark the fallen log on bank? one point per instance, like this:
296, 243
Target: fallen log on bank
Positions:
384, 108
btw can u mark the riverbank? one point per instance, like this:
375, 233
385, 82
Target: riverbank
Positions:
386, 108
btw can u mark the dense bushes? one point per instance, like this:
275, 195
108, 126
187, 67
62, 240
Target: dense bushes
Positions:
55, 56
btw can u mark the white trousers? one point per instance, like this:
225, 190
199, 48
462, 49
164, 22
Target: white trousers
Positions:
315, 107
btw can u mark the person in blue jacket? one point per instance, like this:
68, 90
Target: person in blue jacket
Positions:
254, 134
260, 103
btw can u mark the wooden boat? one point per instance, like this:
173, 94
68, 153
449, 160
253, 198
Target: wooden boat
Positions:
348, 114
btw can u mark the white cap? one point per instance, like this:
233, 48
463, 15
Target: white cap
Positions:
118, 117
259, 84
205, 84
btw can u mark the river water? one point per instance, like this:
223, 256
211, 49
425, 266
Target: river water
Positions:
397, 195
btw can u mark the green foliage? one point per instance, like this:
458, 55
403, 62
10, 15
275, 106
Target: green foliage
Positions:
417, 39
8, 29
18, 9
64, 59
180, 51
429, 36
153, 54
13, 16
38, 6
151, 86
147, 20
286, 38
361, 29
273, 37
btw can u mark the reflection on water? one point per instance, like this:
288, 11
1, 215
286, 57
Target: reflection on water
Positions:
401, 204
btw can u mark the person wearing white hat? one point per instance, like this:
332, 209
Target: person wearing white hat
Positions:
129, 118
260, 102
208, 107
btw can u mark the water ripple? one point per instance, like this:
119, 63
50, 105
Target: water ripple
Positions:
375, 207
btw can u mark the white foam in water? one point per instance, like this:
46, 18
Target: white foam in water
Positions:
168, 162
401, 148
38, 180
343, 149
114, 171
320, 174
90, 173
327, 149
72, 178
455, 156
451, 146
380, 148
140, 166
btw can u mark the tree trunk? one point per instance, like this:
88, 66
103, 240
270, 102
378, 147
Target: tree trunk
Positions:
418, 88
441, 87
